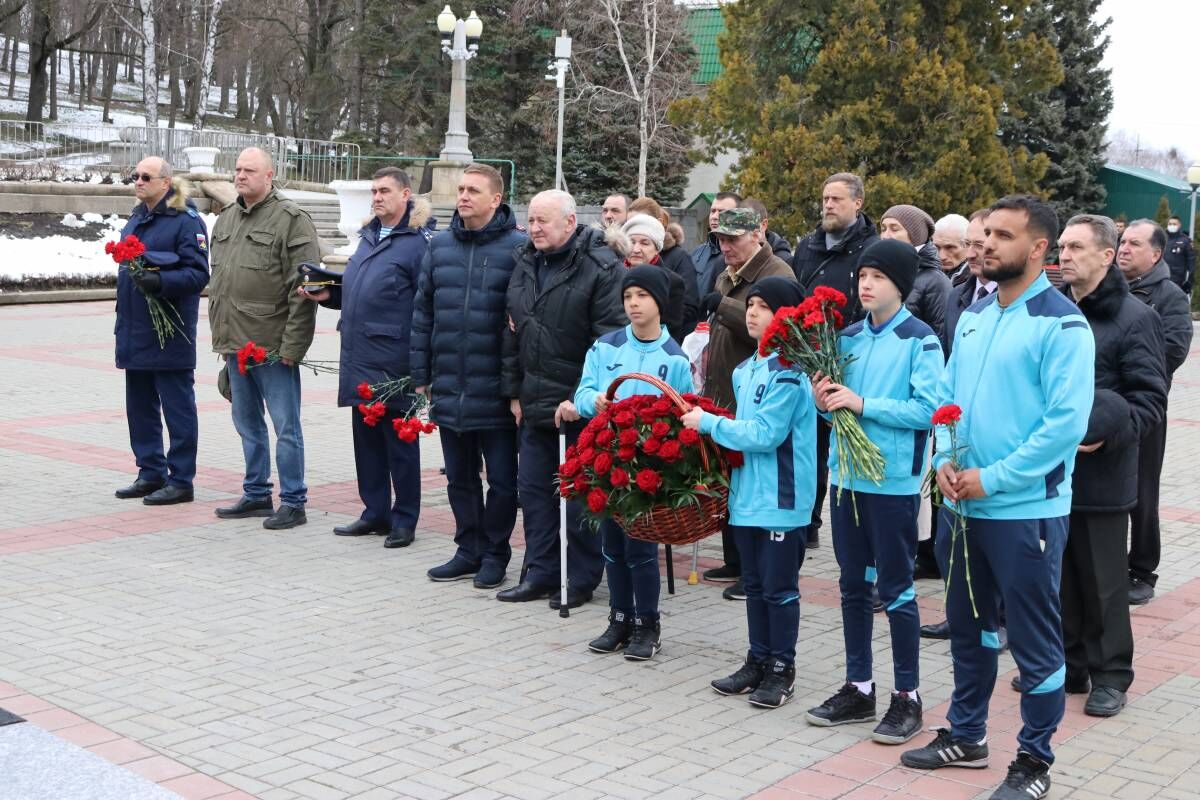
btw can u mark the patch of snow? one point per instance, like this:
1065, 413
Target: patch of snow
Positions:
92, 216
72, 221
50, 256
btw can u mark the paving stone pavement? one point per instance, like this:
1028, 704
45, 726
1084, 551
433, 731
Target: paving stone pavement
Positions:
225, 661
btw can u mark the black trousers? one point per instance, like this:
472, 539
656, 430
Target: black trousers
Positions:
1145, 547
1097, 636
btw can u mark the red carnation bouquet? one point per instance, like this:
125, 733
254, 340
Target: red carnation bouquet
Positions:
635, 459
948, 416
163, 316
806, 336
408, 427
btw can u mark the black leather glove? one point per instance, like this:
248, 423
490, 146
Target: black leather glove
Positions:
148, 282
708, 306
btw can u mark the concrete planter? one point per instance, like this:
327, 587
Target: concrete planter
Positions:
354, 203
202, 160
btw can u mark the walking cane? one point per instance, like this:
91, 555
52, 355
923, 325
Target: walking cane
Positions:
563, 611
693, 576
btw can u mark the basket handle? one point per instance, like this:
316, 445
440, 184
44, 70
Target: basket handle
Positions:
668, 391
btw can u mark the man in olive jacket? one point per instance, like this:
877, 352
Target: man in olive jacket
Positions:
258, 242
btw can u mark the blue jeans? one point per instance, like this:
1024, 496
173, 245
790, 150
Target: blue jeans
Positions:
278, 388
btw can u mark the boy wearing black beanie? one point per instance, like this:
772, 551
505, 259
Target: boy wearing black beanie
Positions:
891, 384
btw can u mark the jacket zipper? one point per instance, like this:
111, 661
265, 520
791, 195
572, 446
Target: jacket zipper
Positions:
979, 376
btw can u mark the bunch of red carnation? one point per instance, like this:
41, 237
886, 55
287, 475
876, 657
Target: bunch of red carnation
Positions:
636, 455
251, 355
372, 412
127, 250
409, 428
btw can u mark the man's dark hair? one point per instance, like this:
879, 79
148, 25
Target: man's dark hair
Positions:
757, 205
396, 174
734, 196
1176, 218
624, 198
1041, 217
1158, 237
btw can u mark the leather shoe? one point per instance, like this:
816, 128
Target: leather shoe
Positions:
247, 507
400, 537
286, 517
360, 527
574, 599
1104, 701
938, 630
169, 496
523, 592
1140, 592
139, 488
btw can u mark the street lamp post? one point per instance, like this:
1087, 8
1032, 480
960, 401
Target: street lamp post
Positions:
558, 74
1193, 177
460, 41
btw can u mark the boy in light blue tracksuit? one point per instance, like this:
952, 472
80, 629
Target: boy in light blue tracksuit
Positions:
891, 384
770, 498
1021, 370
644, 345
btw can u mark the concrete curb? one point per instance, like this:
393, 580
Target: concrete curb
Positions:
57, 296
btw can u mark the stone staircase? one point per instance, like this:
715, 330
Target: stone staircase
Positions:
325, 215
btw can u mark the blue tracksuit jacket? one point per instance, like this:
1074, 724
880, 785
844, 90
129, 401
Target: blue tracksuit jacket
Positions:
776, 429
1023, 376
620, 353
896, 372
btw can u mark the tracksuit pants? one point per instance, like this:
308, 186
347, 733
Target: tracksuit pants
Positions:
771, 577
1020, 561
631, 566
878, 550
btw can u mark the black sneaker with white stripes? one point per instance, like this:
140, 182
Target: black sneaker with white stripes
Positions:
946, 751
1028, 779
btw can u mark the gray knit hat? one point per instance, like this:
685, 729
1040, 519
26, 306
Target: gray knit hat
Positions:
916, 222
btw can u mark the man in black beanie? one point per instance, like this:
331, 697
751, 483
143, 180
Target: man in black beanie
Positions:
777, 292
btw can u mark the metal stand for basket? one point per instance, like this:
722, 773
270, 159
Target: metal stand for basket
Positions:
563, 611
670, 571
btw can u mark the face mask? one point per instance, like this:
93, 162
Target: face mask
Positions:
1172, 229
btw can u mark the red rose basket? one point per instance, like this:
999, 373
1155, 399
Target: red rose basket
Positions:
642, 503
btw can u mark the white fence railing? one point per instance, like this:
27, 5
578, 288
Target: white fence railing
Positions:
48, 148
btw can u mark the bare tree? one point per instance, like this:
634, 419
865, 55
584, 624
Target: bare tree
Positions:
1128, 149
149, 62
206, 61
44, 43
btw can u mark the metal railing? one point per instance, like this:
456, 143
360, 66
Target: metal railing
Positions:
47, 148
361, 168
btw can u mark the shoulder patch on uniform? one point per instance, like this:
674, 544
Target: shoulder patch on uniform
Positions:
191, 212
1050, 302
614, 338
1074, 323
979, 305
201, 241
672, 348
912, 328
852, 329
775, 365
931, 346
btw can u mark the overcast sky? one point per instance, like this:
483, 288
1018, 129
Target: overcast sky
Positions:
1154, 55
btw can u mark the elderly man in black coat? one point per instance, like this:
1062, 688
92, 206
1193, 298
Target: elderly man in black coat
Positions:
564, 294
1131, 398
1140, 258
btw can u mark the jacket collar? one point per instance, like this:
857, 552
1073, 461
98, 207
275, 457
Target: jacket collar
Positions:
1104, 302
1158, 273
160, 207
501, 223
271, 197
901, 315
749, 272
1040, 284
646, 347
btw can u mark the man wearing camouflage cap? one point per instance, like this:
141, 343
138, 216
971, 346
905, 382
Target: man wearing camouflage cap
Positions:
748, 259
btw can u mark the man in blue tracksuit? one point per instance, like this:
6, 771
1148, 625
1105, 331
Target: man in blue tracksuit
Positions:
159, 380
644, 345
1021, 370
891, 384
770, 498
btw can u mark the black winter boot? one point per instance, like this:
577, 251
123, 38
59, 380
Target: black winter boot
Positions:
615, 636
643, 644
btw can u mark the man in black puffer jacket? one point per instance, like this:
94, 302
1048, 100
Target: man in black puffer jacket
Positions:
459, 319
564, 294
1131, 397
1140, 258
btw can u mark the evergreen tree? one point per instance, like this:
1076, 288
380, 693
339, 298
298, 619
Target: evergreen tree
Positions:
1164, 211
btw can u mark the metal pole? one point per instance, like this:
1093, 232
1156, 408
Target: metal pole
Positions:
1191, 219
562, 90
563, 611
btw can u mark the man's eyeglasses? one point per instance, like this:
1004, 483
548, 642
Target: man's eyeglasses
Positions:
145, 177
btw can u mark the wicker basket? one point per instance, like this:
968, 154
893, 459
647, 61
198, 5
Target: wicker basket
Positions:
690, 523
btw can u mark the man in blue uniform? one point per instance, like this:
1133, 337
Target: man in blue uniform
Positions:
160, 380
1021, 371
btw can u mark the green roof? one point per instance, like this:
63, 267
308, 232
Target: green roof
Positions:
1167, 181
705, 197
705, 25
1137, 192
